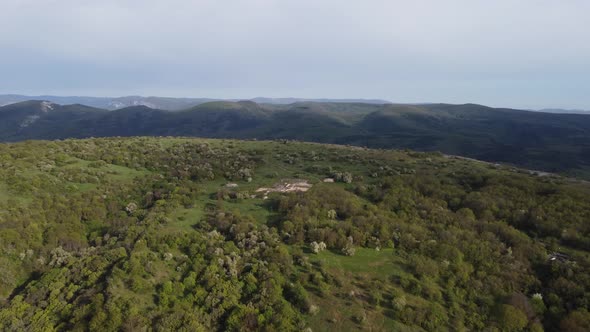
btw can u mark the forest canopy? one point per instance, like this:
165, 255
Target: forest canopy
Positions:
159, 234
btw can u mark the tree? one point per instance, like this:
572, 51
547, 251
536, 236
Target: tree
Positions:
332, 214
317, 247
510, 318
576, 321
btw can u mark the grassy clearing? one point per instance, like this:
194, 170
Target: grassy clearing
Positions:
184, 219
383, 263
339, 314
256, 208
122, 173
341, 311
113, 172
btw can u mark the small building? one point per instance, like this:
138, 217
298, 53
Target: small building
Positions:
328, 180
231, 185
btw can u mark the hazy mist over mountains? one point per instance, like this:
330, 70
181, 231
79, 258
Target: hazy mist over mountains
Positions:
176, 104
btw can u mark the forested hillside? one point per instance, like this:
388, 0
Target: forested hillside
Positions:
140, 234
558, 143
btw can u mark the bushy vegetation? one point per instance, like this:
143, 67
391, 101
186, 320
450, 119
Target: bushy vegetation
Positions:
170, 234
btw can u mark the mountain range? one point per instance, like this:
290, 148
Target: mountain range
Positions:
177, 104
534, 140
163, 103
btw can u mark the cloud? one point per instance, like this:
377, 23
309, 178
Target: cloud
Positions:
454, 50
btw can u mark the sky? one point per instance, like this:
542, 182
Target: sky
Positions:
524, 54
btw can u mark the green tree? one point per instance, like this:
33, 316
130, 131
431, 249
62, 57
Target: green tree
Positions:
510, 318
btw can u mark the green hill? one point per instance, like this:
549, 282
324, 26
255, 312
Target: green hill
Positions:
138, 234
542, 141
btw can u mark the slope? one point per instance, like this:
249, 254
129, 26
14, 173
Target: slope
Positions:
169, 234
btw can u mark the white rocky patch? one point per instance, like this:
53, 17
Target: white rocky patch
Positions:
29, 120
119, 104
116, 104
46, 106
143, 103
286, 186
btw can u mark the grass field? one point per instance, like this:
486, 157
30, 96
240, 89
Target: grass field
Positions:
340, 309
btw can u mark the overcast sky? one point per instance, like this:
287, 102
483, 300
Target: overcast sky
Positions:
514, 53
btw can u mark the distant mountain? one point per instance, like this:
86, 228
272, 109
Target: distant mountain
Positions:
535, 140
163, 103
563, 111
170, 104
42, 119
263, 100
